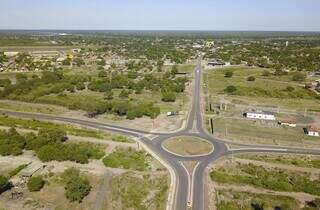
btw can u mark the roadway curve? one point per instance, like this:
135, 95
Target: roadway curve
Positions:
187, 191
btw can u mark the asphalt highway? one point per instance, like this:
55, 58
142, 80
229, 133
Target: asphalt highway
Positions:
185, 195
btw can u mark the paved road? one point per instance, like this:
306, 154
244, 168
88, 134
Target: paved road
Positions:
188, 189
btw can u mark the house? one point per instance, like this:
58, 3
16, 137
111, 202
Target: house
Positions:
312, 131
287, 122
259, 115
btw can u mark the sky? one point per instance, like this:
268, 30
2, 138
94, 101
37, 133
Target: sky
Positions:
255, 15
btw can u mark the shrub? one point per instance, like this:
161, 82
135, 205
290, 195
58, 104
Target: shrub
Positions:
4, 183
228, 74
289, 88
168, 97
35, 183
230, 89
251, 79
76, 187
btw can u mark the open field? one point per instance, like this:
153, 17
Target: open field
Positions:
249, 131
188, 146
273, 89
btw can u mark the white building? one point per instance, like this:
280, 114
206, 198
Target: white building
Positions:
260, 115
312, 131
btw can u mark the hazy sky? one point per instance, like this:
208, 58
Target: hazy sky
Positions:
161, 14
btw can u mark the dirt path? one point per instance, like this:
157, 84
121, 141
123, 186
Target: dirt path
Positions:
103, 191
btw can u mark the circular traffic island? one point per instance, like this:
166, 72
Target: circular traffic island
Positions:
188, 146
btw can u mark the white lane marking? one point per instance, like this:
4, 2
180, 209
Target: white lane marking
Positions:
261, 149
190, 182
192, 185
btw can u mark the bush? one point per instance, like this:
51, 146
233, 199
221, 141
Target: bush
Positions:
289, 88
4, 183
76, 187
168, 97
228, 74
230, 89
35, 183
251, 79
11, 142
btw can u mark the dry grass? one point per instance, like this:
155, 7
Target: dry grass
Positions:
188, 146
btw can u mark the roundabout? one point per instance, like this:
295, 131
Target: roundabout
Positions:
185, 153
188, 146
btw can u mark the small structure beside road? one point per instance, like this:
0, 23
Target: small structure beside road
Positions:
287, 122
259, 115
312, 131
216, 63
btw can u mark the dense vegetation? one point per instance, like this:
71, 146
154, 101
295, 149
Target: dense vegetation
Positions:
36, 125
301, 54
49, 144
63, 86
76, 186
127, 159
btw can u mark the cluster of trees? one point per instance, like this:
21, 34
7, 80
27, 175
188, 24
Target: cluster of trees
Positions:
76, 186
301, 55
33, 89
49, 144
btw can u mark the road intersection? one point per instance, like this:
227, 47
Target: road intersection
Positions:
186, 190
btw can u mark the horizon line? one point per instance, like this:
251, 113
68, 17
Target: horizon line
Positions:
168, 30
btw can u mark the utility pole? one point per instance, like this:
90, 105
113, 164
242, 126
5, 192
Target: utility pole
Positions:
226, 130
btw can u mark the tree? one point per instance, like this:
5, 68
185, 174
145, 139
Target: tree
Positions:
76, 186
228, 74
35, 183
168, 96
251, 79
4, 183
